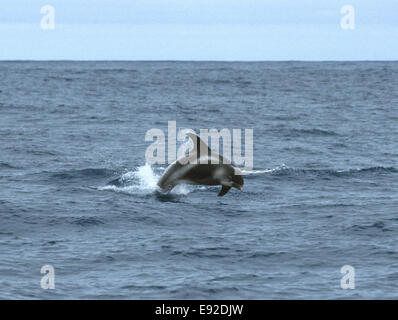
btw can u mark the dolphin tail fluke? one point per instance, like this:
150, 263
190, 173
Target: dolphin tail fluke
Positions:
224, 191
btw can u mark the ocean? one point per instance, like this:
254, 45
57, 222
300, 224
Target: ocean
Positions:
322, 193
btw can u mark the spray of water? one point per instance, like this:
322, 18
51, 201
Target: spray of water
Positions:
280, 168
142, 181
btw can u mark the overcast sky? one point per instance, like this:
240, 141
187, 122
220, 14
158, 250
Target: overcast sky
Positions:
199, 30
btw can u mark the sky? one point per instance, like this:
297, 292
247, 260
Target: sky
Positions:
231, 30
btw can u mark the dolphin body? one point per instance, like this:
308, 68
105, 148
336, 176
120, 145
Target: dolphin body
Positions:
202, 168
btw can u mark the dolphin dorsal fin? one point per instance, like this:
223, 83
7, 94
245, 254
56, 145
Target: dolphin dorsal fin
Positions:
198, 145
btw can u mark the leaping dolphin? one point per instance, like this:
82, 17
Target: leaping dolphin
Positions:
198, 169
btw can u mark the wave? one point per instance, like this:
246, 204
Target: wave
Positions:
82, 221
5, 165
83, 174
143, 180
284, 170
114, 70
313, 132
379, 225
214, 81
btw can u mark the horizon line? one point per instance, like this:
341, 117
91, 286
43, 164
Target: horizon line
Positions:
187, 60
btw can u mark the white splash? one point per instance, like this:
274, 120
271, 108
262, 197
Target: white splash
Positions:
280, 168
142, 181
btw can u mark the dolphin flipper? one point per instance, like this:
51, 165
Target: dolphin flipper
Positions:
224, 190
